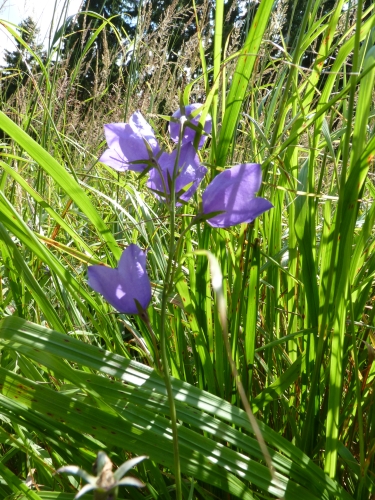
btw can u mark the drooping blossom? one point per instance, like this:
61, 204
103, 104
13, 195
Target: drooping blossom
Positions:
233, 193
190, 173
189, 132
122, 286
127, 144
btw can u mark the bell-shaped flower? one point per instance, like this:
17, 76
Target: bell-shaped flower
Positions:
232, 192
190, 174
129, 142
178, 120
126, 285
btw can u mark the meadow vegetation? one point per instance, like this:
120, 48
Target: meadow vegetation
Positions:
296, 297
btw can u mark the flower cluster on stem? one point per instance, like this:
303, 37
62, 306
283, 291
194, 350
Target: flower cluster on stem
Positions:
174, 177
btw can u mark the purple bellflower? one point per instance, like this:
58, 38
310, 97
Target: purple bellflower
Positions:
127, 144
233, 193
125, 285
189, 132
190, 174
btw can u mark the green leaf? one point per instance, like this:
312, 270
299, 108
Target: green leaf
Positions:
130, 424
241, 79
61, 177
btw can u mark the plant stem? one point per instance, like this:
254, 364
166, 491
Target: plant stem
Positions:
167, 380
168, 280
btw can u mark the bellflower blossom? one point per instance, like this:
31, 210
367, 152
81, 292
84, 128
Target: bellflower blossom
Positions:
233, 193
189, 133
190, 172
133, 145
127, 144
125, 285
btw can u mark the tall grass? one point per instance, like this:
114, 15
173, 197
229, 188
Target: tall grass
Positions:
77, 377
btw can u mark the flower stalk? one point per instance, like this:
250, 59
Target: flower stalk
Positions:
163, 341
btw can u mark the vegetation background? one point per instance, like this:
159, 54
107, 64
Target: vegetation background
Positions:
289, 84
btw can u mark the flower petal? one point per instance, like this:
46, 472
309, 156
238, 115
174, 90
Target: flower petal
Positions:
233, 193
137, 122
122, 286
190, 172
189, 133
126, 143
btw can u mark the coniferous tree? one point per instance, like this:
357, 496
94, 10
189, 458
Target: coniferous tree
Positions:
20, 63
125, 21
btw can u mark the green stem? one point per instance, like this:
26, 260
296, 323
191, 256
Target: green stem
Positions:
359, 415
146, 320
168, 385
174, 249
168, 280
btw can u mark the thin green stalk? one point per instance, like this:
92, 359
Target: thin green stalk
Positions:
165, 365
168, 283
146, 320
217, 285
218, 39
361, 437
168, 280
244, 278
353, 87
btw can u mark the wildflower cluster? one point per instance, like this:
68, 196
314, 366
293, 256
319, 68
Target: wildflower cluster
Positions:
133, 146
227, 201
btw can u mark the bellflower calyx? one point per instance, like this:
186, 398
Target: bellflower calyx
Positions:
126, 285
190, 174
232, 192
178, 119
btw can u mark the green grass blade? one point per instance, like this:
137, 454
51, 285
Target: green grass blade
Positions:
38, 342
61, 177
17, 262
241, 78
